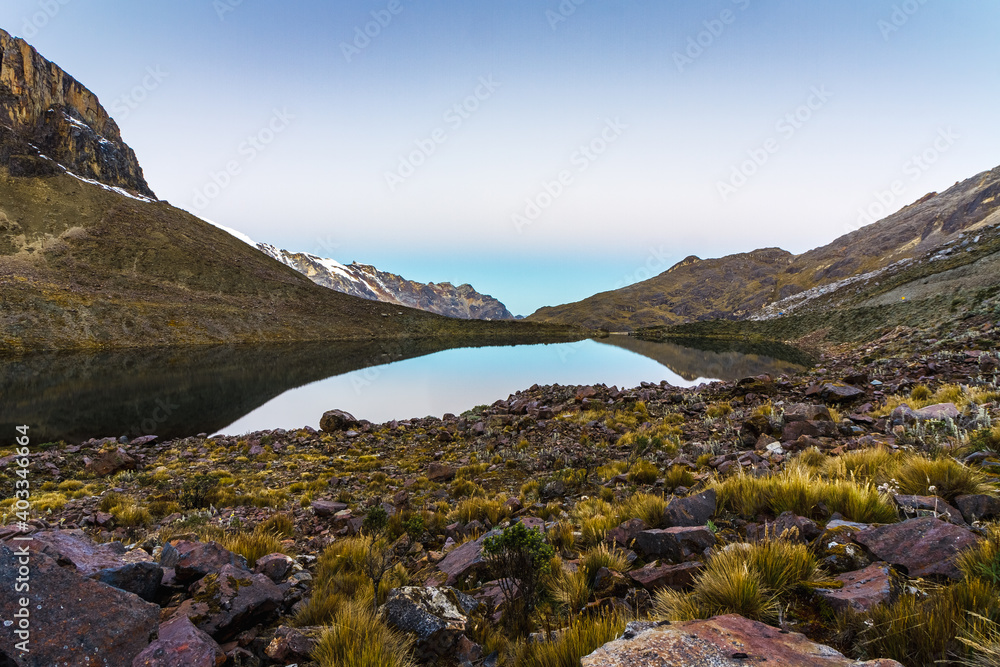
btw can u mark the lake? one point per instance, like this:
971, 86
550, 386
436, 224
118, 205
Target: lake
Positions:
177, 392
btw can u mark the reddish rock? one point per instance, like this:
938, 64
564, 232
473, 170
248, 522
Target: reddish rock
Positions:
978, 507
197, 559
584, 392
274, 566
863, 589
74, 620
337, 420
692, 510
925, 546
464, 560
938, 411
804, 412
110, 462
655, 576
180, 644
623, 534
326, 508
916, 506
133, 571
224, 604
674, 544
813, 429
723, 641
440, 472
292, 644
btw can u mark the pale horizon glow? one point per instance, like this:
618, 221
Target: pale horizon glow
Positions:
254, 115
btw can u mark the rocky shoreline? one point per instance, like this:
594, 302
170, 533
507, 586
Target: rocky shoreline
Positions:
876, 471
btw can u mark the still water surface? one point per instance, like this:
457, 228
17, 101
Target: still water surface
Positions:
184, 391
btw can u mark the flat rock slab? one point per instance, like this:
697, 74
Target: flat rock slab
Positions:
925, 546
723, 641
863, 589
74, 620
464, 560
132, 571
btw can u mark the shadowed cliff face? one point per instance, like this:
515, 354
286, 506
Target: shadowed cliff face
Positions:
55, 115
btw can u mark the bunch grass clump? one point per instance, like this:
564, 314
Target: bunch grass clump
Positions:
745, 579
359, 638
581, 638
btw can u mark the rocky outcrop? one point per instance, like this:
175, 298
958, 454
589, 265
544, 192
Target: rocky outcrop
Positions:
925, 547
52, 113
723, 641
180, 644
74, 620
367, 282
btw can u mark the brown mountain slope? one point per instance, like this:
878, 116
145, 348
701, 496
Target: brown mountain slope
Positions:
88, 258
743, 285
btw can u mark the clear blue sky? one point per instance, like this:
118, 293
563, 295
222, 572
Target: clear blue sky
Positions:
887, 80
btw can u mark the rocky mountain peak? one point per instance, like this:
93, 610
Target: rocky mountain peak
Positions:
46, 112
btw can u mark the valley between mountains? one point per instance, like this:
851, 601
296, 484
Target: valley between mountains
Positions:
841, 510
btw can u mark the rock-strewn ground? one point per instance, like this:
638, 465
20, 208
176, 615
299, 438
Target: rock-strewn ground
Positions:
869, 481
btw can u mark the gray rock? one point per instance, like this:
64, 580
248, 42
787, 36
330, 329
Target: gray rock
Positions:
436, 617
978, 507
674, 544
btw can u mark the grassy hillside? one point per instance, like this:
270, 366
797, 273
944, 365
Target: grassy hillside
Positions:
82, 267
738, 286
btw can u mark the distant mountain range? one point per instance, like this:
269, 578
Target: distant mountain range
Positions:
367, 282
771, 281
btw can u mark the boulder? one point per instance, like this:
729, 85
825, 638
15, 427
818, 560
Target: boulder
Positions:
787, 526
723, 641
337, 420
226, 603
655, 576
924, 546
464, 560
978, 507
692, 510
197, 559
110, 462
863, 589
293, 645
180, 644
915, 506
623, 534
804, 412
74, 620
274, 566
609, 583
813, 429
436, 617
940, 411
133, 571
327, 507
441, 472
674, 544
836, 392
